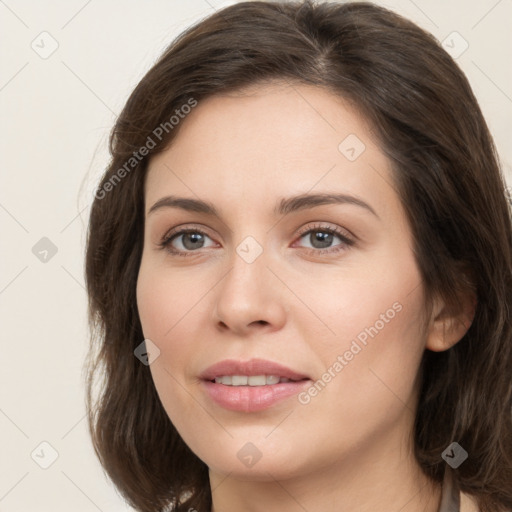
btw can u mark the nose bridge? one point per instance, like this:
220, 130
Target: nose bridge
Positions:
248, 264
248, 292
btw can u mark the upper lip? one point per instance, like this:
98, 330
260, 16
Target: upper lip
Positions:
249, 368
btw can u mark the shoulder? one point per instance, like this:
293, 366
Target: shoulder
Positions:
468, 503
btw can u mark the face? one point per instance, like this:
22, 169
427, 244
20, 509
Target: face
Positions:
266, 273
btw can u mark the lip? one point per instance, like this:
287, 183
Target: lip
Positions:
251, 398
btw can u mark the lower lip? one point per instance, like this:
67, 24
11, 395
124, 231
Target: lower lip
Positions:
252, 398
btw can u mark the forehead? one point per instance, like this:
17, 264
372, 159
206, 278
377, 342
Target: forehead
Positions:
276, 139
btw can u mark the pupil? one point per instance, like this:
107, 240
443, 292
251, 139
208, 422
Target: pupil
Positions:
324, 238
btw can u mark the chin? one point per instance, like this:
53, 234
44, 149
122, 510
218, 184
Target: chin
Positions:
262, 471
258, 460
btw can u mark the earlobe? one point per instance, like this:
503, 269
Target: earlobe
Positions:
446, 329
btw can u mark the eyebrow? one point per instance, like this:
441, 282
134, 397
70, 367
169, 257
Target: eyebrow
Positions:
285, 205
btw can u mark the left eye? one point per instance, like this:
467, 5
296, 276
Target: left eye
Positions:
323, 238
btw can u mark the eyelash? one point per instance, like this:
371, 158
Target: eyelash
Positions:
165, 243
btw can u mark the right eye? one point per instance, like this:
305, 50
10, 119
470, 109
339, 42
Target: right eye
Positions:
188, 241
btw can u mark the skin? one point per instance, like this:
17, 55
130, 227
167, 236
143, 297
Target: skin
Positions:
350, 447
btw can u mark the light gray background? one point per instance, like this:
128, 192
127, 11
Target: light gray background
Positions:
55, 114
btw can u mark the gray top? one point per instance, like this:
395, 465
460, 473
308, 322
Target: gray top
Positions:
450, 498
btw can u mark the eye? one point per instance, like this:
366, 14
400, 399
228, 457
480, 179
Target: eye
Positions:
184, 241
321, 239
187, 241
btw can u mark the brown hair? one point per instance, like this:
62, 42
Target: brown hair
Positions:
446, 172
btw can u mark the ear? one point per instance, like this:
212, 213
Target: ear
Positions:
447, 328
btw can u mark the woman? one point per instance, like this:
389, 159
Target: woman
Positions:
299, 267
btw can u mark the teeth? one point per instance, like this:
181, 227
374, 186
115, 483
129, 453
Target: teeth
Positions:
239, 380
253, 380
256, 380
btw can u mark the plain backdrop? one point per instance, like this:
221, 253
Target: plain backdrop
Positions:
66, 69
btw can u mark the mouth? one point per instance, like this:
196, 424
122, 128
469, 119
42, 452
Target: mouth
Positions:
254, 369
252, 385
252, 380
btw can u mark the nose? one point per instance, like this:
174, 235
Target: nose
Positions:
249, 298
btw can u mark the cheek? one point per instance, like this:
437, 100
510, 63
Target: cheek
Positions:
370, 373
162, 306
167, 301
172, 312
155, 300
379, 366
376, 342
166, 313
374, 296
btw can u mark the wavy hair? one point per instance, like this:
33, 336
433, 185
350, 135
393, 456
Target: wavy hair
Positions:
445, 170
